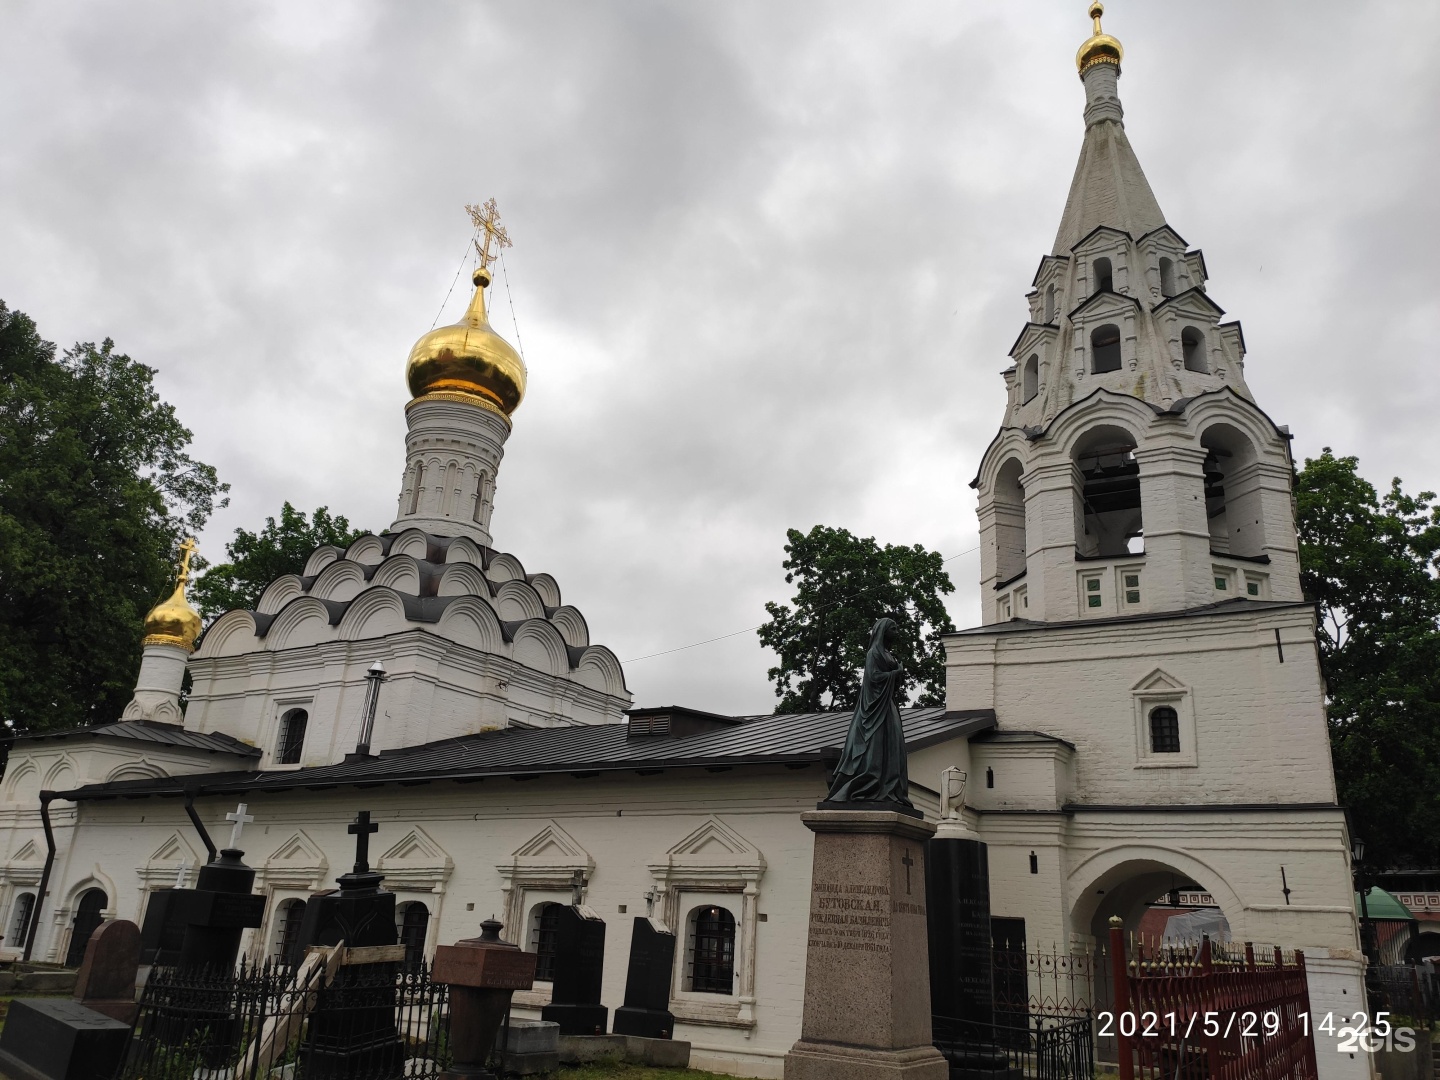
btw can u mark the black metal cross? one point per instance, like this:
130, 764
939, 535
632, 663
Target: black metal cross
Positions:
361, 828
909, 862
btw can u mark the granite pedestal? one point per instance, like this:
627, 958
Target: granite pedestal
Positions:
482, 974
646, 1011
50, 1039
867, 977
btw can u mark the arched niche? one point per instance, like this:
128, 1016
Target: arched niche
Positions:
1108, 519
1233, 497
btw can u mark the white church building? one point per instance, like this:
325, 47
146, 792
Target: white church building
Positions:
1142, 707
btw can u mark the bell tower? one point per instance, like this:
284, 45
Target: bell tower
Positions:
1133, 472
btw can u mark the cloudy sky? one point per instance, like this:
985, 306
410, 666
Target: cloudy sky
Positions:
769, 256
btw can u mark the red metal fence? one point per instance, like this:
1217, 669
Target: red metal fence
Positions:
1213, 1013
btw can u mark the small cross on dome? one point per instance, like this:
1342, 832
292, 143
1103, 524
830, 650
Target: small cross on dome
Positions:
241, 819
487, 222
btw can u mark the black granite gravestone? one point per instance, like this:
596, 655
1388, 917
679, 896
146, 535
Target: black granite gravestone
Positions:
579, 966
61, 1040
352, 1031
216, 912
646, 1011
962, 1004
162, 933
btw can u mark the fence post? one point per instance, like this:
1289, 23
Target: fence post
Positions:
1120, 974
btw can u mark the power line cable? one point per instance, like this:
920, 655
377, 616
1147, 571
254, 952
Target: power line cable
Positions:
511, 297
752, 629
458, 271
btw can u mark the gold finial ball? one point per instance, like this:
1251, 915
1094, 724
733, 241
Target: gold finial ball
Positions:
1115, 920
1100, 47
469, 358
173, 622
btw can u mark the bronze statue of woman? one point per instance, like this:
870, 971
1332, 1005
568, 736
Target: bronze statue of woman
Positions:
873, 767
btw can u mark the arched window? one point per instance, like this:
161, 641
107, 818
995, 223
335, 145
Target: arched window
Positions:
711, 951
1167, 277
413, 919
87, 918
1049, 304
292, 737
480, 498
544, 922
1030, 378
20, 920
1009, 521
1164, 730
1105, 348
1233, 492
288, 917
415, 490
1104, 277
1192, 347
1108, 516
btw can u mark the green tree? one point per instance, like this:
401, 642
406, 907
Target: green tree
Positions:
257, 559
1369, 561
96, 493
842, 585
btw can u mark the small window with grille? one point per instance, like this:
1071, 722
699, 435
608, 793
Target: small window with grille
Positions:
287, 928
712, 951
1164, 730
544, 922
1093, 597
292, 737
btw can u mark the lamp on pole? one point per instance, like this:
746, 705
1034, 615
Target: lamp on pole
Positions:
1367, 931
374, 677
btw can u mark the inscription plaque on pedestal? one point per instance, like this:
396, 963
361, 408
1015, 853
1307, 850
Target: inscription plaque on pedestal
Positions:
867, 985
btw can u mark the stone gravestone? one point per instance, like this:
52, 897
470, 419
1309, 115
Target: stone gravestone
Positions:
57, 1039
867, 984
162, 934
646, 1011
106, 982
220, 907
579, 966
962, 1002
482, 973
352, 1030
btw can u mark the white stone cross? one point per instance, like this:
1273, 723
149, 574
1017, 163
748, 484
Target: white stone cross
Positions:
182, 873
241, 819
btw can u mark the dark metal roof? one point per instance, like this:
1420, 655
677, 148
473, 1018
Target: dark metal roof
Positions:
149, 731
793, 739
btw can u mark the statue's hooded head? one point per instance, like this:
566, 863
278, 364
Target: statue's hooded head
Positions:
882, 634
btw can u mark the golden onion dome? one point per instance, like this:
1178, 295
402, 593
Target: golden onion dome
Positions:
174, 621
1100, 48
469, 358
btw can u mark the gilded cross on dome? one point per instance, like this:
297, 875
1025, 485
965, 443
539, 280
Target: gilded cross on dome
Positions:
186, 550
488, 232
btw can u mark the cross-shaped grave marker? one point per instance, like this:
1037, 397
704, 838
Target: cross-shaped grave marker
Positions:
908, 862
241, 819
577, 888
361, 828
182, 873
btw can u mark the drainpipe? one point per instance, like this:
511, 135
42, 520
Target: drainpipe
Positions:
45, 797
199, 825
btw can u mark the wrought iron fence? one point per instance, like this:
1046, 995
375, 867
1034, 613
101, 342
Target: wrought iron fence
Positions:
1043, 1048
1409, 992
378, 1021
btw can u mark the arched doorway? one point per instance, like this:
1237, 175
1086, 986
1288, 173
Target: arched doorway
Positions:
87, 918
1148, 890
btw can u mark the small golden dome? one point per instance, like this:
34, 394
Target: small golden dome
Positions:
1101, 48
469, 358
174, 621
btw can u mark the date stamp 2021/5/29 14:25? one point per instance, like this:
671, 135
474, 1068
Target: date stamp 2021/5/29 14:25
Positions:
1349, 1032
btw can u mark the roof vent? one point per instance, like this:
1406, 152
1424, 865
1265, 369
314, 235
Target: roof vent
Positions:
674, 722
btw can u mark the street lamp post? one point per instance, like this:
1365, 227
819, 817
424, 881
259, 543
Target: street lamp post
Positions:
1373, 989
